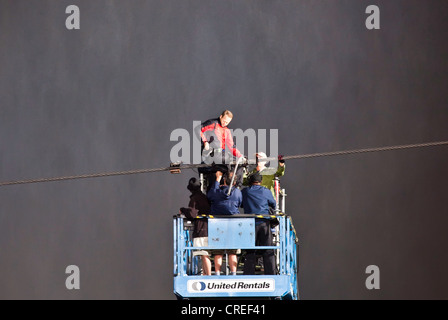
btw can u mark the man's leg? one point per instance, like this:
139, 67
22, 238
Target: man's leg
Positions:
249, 262
218, 263
233, 261
206, 265
265, 239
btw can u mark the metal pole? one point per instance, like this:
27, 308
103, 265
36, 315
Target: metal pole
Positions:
201, 180
284, 201
175, 243
277, 194
234, 173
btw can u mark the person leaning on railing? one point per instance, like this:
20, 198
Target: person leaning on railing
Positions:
199, 205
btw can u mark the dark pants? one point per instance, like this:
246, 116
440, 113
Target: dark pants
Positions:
263, 237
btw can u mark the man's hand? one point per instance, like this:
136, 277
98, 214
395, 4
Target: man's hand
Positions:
281, 161
218, 176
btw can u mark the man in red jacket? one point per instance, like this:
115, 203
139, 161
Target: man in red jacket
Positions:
218, 147
216, 136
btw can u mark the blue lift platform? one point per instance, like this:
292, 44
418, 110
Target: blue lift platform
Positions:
235, 232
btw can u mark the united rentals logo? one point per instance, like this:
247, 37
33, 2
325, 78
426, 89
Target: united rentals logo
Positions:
198, 286
231, 285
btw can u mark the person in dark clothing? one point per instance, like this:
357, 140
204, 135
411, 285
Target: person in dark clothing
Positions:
199, 205
221, 202
257, 200
224, 204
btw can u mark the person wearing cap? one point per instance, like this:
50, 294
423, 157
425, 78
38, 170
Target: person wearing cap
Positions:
257, 200
267, 172
199, 205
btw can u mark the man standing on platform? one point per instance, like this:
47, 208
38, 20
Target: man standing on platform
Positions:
257, 200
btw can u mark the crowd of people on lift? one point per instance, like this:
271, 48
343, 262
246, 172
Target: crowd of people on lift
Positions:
253, 191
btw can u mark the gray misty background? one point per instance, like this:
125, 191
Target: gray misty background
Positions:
106, 98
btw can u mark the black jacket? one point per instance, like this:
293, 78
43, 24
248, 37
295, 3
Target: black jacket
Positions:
198, 205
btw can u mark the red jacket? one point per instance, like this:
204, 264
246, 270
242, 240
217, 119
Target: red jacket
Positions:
223, 134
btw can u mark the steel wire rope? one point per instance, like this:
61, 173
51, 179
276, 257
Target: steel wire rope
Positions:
192, 166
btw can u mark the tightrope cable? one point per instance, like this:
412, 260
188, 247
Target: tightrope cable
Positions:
192, 166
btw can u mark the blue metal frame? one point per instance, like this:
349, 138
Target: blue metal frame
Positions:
235, 232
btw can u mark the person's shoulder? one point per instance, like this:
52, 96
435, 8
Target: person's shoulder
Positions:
267, 192
210, 121
263, 189
251, 188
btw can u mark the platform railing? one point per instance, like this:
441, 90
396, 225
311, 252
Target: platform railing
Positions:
235, 232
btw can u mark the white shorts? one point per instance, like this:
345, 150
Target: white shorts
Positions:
203, 242
200, 242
